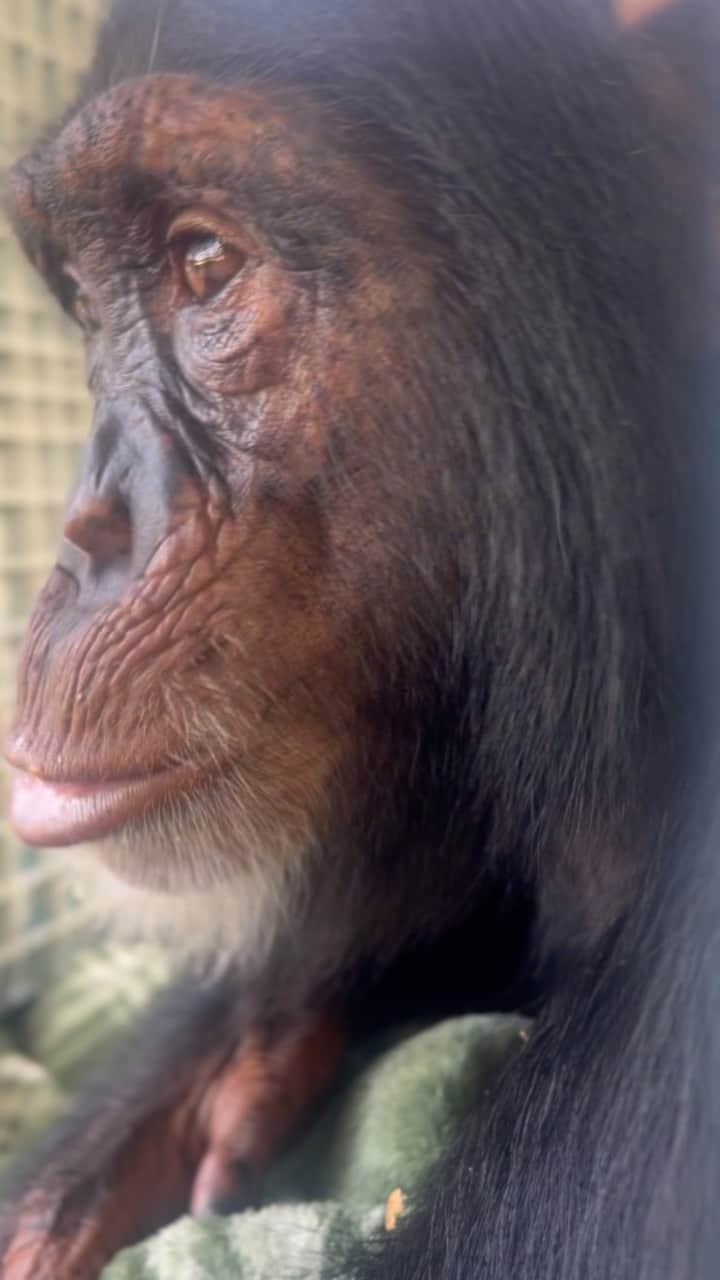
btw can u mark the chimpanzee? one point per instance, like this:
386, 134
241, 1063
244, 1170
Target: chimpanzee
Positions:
378, 656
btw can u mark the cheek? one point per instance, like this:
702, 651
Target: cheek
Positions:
279, 607
267, 652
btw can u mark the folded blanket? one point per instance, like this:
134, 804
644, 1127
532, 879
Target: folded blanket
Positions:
401, 1101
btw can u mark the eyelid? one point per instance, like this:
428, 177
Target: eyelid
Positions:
203, 223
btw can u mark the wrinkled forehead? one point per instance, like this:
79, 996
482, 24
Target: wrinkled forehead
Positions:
172, 130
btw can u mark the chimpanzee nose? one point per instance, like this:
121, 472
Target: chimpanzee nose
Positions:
100, 526
97, 544
124, 505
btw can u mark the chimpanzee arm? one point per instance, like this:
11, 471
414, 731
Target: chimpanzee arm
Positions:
184, 1117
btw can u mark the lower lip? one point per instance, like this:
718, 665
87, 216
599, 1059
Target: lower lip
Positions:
66, 813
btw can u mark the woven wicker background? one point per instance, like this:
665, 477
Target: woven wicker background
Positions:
44, 45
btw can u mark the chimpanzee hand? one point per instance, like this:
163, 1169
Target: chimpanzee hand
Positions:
189, 1128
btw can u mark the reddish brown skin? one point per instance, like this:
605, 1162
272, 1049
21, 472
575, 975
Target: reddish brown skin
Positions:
228, 1121
263, 575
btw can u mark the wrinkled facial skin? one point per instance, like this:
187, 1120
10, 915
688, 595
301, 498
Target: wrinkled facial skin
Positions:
224, 548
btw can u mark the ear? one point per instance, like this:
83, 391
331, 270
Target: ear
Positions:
633, 13
674, 46
674, 49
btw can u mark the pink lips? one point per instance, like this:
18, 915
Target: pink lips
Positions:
44, 812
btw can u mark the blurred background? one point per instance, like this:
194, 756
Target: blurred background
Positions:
44, 417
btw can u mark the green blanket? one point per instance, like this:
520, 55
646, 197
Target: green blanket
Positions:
401, 1102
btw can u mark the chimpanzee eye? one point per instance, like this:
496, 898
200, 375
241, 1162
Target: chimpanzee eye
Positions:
203, 263
81, 311
76, 301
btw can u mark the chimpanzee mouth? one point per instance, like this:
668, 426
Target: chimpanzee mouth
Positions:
59, 812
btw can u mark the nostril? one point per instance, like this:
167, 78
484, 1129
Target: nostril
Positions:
101, 528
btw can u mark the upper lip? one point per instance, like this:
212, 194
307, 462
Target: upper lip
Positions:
58, 775
107, 779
